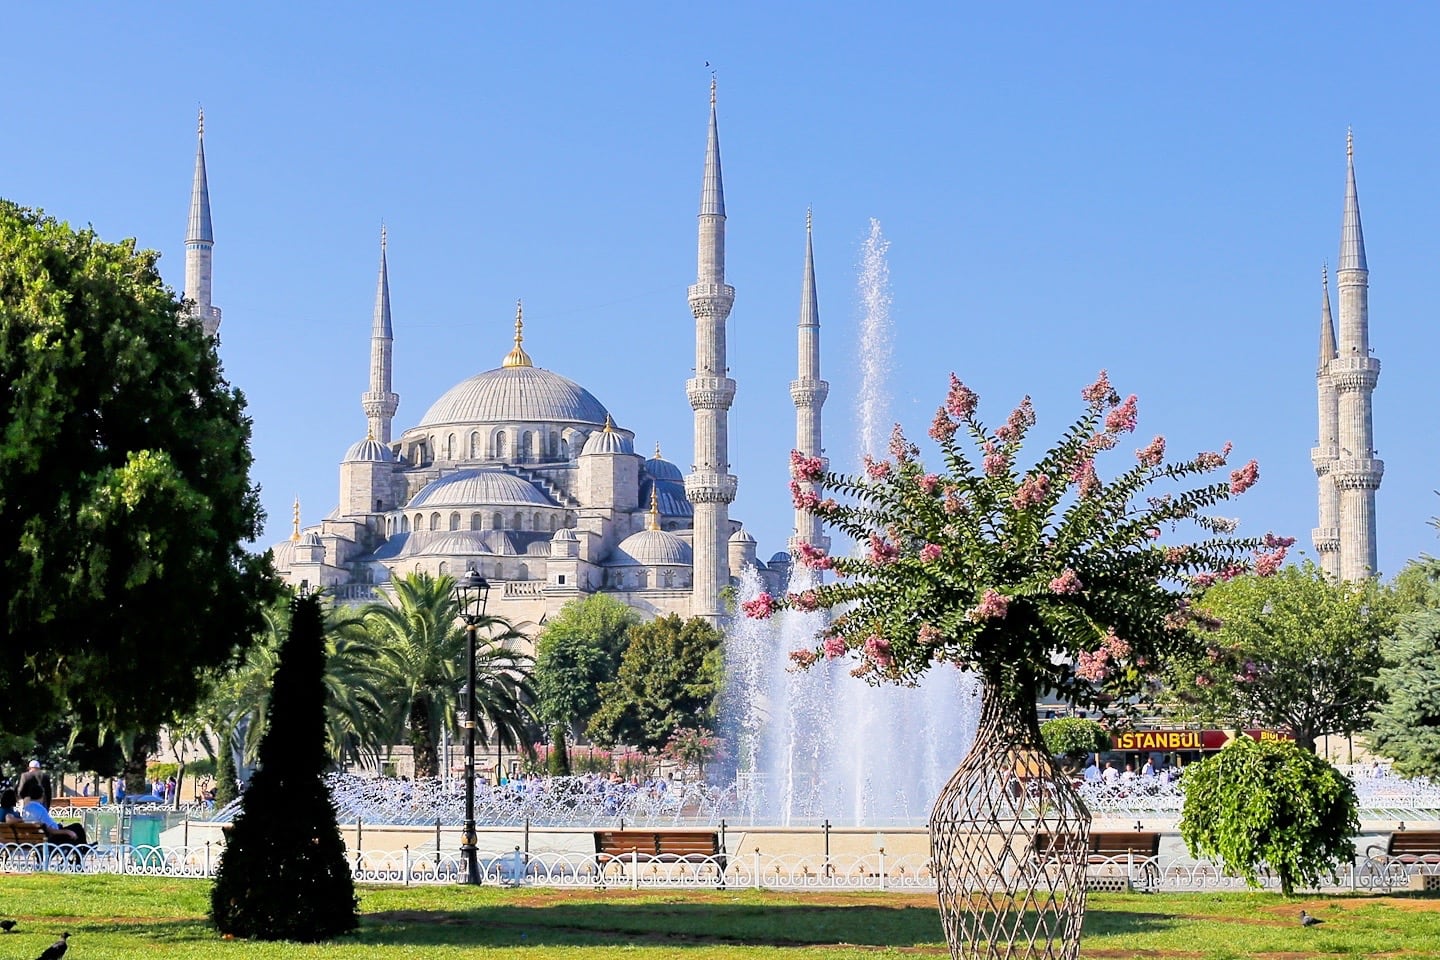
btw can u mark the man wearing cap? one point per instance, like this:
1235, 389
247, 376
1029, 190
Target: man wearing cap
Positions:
36, 773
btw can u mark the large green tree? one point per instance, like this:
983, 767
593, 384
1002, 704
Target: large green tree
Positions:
125, 493
1406, 728
669, 677
1297, 650
577, 652
422, 649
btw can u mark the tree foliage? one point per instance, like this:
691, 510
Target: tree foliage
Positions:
1406, 728
577, 652
669, 676
1270, 805
125, 485
422, 651
1046, 577
1296, 650
284, 875
1073, 738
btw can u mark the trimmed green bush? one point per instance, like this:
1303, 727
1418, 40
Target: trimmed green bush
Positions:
1070, 739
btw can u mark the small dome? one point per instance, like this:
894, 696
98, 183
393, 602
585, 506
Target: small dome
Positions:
608, 440
658, 468
284, 554
650, 548
458, 543
742, 536
782, 557
564, 534
369, 450
479, 487
310, 539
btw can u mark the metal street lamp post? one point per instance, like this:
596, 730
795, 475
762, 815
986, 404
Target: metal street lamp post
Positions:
471, 592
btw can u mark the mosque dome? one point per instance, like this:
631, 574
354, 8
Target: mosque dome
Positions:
284, 554
480, 486
515, 395
781, 557
458, 543
608, 440
310, 539
742, 536
650, 548
564, 534
658, 468
369, 450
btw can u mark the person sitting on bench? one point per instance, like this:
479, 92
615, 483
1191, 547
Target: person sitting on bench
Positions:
8, 813
33, 810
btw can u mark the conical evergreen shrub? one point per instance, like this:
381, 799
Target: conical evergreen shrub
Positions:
284, 875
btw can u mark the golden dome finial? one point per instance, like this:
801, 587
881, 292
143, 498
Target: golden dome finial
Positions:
295, 532
369, 433
657, 451
518, 357
654, 522
609, 424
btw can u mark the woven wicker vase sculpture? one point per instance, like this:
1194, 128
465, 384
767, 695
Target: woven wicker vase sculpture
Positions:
1008, 842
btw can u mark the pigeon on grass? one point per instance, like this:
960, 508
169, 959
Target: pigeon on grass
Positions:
1308, 921
7, 925
56, 950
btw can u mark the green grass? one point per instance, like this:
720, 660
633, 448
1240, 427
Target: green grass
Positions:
117, 917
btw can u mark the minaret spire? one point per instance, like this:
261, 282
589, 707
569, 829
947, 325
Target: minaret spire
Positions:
808, 391
1354, 373
518, 357
710, 486
380, 402
1326, 536
199, 241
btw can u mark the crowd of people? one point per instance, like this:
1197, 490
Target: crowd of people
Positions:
29, 802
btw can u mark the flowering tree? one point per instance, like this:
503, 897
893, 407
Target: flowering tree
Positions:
692, 747
1040, 578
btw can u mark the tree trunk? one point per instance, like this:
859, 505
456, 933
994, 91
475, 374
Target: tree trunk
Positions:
133, 772
423, 749
558, 763
1008, 840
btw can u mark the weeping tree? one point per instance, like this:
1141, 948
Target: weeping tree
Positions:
283, 875
1039, 577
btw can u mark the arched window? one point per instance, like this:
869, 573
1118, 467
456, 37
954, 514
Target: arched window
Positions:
522, 572
497, 522
500, 445
539, 522
527, 446
444, 568
455, 521
404, 524
564, 449
419, 522
519, 520
434, 521
450, 447
475, 521
475, 445
554, 522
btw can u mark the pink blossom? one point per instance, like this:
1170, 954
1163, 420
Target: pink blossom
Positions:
806, 468
1210, 461
942, 428
804, 658
961, 400
813, 557
1115, 646
1214, 654
929, 482
1232, 571
834, 647
882, 551
1203, 580
1152, 455
877, 469
877, 648
1152, 533
760, 608
929, 635
995, 464
1244, 478
953, 502
1099, 443
1031, 492
1068, 582
1267, 564
1176, 555
1272, 542
1201, 680
993, 606
825, 508
1093, 666
900, 448
802, 498
1100, 392
1084, 474
1122, 419
806, 600
930, 552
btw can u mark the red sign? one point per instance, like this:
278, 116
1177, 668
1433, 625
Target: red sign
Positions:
1165, 740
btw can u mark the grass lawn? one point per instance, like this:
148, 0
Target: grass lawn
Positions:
121, 917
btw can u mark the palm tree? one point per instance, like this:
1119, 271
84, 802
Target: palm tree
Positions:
422, 648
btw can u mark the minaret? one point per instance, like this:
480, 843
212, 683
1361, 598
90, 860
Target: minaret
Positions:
710, 485
809, 393
199, 239
380, 402
1326, 536
1354, 373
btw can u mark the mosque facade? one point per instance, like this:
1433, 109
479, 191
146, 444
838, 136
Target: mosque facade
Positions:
522, 474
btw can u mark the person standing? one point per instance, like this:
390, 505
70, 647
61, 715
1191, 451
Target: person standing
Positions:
37, 774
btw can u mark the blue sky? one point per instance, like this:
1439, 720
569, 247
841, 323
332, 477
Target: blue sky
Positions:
1148, 188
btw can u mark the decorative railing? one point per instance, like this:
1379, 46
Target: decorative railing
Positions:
876, 871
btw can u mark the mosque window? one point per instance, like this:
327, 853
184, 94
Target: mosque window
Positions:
450, 447
497, 522
455, 521
404, 524
560, 579
434, 521
500, 445
554, 522
519, 521
527, 446
564, 449
379, 505
475, 521
539, 522
444, 568
475, 446
419, 522
522, 572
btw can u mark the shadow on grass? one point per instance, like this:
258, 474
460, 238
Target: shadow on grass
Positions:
672, 924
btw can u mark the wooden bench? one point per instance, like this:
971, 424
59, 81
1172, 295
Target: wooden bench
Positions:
1132, 848
77, 803
659, 846
22, 842
1409, 846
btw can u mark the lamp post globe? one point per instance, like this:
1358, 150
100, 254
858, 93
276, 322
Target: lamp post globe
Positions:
471, 591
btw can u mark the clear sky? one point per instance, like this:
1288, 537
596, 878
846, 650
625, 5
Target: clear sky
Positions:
1150, 188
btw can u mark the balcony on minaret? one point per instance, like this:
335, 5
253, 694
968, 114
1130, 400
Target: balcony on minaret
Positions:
710, 393
808, 392
1324, 455
1358, 473
704, 486
1353, 372
1326, 539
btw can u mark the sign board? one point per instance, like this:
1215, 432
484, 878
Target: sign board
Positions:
1166, 740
